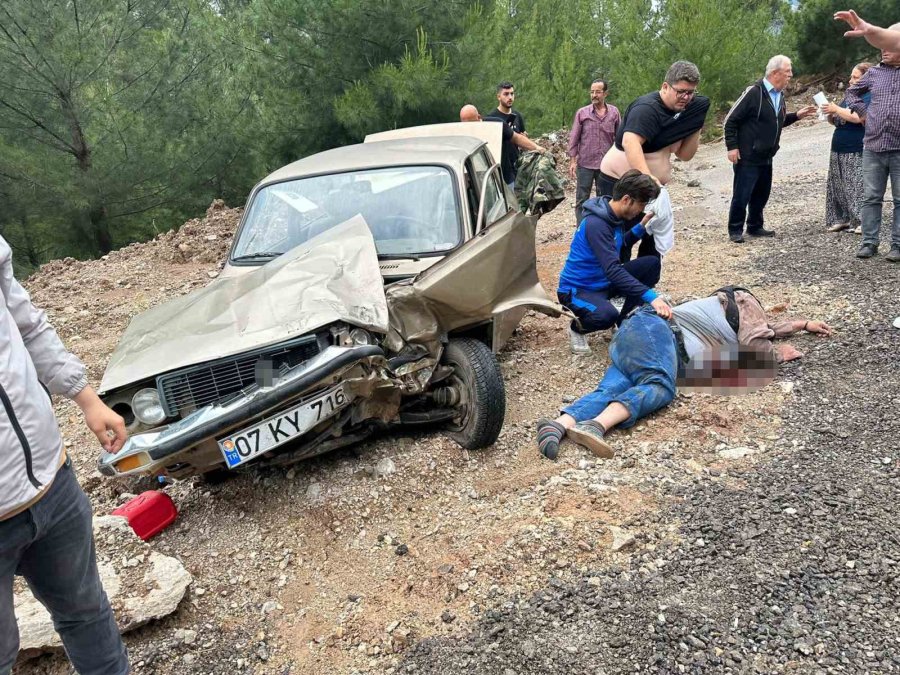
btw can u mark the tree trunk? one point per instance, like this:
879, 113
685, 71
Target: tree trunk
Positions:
100, 229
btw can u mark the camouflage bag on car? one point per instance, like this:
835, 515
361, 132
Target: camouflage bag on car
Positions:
538, 185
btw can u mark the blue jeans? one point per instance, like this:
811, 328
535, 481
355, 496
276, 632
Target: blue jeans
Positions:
642, 373
751, 188
877, 166
51, 544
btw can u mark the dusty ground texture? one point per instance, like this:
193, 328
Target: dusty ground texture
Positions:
750, 534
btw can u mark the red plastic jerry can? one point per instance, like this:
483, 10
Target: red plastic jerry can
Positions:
149, 513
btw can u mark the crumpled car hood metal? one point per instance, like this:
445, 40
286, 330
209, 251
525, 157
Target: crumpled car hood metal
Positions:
332, 277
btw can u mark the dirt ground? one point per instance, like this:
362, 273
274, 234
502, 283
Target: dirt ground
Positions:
334, 567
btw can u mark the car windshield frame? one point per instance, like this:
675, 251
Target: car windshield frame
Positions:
237, 257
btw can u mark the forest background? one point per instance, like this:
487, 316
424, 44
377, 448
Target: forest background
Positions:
119, 119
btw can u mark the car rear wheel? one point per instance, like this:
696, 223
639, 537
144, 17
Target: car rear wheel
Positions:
478, 383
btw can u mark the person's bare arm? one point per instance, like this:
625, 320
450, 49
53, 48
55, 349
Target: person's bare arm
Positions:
834, 110
526, 143
633, 145
102, 420
790, 327
879, 37
688, 146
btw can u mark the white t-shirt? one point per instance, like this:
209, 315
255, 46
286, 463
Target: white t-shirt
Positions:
703, 325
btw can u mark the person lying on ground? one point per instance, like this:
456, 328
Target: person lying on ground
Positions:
882, 38
593, 272
720, 343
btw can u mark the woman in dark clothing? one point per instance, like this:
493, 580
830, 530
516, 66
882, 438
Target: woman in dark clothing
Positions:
844, 192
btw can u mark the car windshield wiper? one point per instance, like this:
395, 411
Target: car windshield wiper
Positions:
399, 256
258, 256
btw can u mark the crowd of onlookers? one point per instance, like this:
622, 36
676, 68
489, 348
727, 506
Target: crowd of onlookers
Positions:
722, 342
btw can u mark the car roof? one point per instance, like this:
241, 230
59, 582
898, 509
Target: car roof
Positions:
449, 150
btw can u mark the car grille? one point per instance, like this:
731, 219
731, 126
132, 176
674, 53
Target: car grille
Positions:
198, 386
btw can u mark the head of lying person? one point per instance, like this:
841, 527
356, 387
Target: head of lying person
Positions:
729, 369
631, 193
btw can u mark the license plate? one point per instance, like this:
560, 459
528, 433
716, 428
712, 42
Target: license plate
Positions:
281, 428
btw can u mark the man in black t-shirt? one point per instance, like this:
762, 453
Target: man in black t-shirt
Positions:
654, 127
512, 141
657, 125
506, 96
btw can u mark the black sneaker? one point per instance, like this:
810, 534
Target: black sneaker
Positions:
893, 255
737, 238
761, 232
867, 251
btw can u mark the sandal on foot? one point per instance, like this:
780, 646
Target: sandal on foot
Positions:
590, 434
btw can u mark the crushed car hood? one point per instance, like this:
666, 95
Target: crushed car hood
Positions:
332, 277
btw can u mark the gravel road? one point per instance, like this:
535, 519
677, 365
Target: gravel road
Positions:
751, 534
788, 564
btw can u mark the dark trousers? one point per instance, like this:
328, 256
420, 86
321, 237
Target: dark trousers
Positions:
51, 544
594, 311
752, 185
585, 179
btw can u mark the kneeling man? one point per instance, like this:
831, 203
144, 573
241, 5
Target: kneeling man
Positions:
720, 343
593, 272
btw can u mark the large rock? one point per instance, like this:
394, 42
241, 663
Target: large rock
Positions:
142, 585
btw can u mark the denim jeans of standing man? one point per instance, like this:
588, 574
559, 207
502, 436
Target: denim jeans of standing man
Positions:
642, 372
51, 545
877, 168
750, 193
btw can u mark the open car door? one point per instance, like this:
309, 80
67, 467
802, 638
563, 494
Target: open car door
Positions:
492, 277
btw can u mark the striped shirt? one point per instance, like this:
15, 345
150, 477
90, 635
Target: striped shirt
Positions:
592, 135
883, 114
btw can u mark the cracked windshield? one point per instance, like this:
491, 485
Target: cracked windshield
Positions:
410, 211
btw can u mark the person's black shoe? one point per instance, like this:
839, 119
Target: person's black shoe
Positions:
736, 238
867, 251
893, 255
761, 232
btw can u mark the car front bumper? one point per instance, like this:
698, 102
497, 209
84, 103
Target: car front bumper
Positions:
150, 452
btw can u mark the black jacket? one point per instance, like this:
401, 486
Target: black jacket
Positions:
754, 127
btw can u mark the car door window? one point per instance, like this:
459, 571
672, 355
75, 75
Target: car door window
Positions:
495, 206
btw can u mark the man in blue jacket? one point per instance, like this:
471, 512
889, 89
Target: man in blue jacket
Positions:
594, 273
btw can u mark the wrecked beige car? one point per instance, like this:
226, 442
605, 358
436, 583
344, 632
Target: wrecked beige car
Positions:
367, 289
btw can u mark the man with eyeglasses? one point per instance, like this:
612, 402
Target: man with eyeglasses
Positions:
752, 134
655, 127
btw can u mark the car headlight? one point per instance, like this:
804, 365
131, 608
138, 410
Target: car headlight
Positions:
147, 406
358, 336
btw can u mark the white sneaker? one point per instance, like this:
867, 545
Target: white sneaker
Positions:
578, 343
897, 322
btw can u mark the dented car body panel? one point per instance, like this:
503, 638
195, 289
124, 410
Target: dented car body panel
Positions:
312, 350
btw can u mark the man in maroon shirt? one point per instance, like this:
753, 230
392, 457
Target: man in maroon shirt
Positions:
593, 133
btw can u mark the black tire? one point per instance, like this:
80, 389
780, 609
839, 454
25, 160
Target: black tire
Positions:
477, 378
